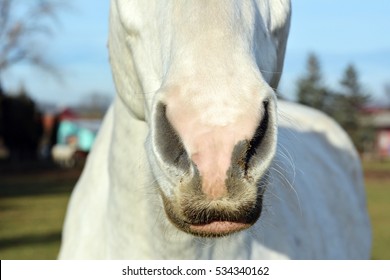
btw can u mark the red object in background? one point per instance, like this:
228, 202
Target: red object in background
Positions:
383, 143
49, 119
67, 114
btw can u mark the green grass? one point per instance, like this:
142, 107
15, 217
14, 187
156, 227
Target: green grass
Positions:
32, 209
378, 199
377, 179
377, 165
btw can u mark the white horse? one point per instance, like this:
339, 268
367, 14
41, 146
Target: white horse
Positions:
195, 160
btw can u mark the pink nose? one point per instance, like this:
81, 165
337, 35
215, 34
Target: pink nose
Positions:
220, 154
213, 160
210, 144
212, 156
211, 148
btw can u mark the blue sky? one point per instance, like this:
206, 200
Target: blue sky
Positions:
338, 31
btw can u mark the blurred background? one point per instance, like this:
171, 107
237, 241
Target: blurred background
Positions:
55, 86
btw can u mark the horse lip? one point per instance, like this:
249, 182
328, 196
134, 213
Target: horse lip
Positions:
218, 228
209, 228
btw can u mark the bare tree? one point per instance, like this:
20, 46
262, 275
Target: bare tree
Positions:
22, 24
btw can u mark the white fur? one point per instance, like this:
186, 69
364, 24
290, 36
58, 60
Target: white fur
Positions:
314, 205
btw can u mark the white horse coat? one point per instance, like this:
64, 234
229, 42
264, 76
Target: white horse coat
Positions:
220, 186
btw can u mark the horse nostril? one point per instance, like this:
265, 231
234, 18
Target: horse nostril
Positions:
255, 145
168, 143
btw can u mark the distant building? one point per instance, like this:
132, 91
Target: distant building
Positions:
69, 132
379, 119
381, 122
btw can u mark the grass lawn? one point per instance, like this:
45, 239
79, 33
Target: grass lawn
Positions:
377, 178
32, 209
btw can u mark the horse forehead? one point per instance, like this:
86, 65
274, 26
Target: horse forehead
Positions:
186, 20
185, 11
171, 39
134, 14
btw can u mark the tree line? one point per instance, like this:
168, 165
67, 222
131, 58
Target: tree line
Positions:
21, 127
345, 104
23, 24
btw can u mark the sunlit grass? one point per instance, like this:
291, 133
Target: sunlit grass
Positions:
33, 226
378, 198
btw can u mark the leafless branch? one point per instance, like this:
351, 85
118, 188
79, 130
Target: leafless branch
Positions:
4, 13
21, 27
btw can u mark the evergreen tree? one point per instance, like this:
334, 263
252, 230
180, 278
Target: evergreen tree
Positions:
353, 89
387, 94
310, 89
344, 106
348, 106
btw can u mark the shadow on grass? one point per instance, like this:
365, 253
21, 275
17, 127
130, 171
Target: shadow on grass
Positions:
43, 181
36, 188
30, 240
